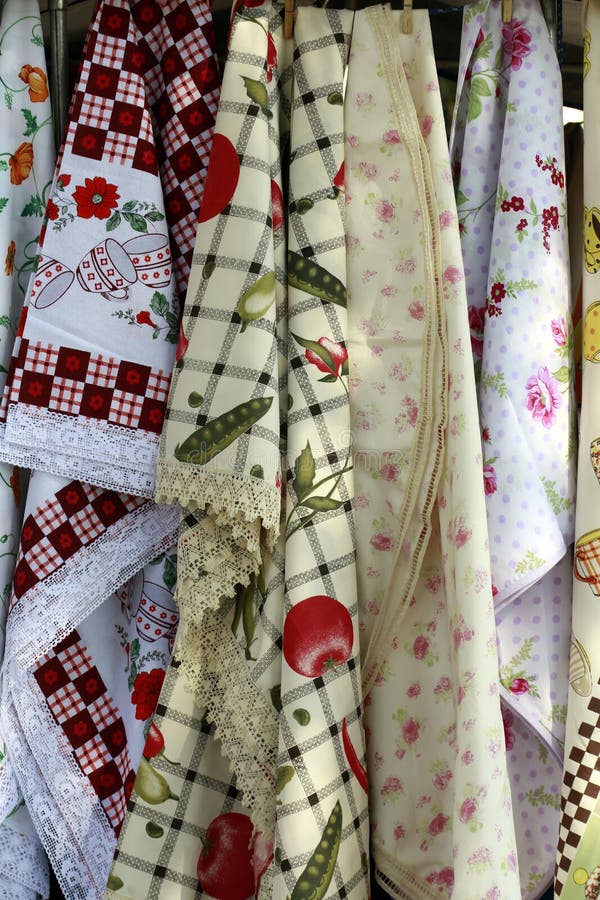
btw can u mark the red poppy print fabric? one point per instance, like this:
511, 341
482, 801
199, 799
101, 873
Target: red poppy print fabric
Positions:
87, 386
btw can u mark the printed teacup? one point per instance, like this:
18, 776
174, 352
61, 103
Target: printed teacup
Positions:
50, 282
595, 456
156, 615
587, 560
151, 258
107, 269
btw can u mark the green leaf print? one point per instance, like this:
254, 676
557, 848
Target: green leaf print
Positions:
483, 51
529, 563
31, 123
539, 797
137, 222
257, 92
475, 107
480, 87
34, 207
3, 203
114, 221
495, 382
304, 472
559, 504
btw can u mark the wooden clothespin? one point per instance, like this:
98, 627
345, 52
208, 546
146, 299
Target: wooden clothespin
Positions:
507, 12
288, 19
407, 17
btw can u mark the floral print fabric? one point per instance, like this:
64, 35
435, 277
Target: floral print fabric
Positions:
438, 785
512, 213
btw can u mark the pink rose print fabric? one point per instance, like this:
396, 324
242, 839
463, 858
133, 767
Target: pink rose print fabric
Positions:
439, 796
512, 219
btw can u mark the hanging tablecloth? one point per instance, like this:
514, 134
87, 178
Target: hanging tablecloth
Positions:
508, 164
577, 857
438, 787
89, 379
296, 745
82, 542
26, 166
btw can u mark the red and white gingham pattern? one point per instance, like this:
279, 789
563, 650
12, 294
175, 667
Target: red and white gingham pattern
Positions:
107, 52
93, 755
41, 558
131, 90
120, 148
102, 372
96, 112
125, 409
66, 395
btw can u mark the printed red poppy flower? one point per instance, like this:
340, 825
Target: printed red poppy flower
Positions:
143, 318
96, 198
146, 691
52, 211
9, 263
21, 162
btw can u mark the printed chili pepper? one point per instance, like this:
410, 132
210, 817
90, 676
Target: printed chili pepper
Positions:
353, 761
212, 438
316, 878
307, 275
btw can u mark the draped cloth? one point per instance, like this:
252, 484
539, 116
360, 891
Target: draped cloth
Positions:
508, 163
439, 795
257, 451
26, 166
92, 619
577, 852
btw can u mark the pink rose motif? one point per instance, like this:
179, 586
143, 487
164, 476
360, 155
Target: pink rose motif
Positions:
443, 779
490, 484
519, 686
437, 824
381, 542
507, 721
392, 785
416, 310
453, 274
443, 685
413, 689
517, 42
462, 535
334, 357
391, 137
385, 210
389, 471
559, 331
411, 731
443, 878
467, 810
426, 126
421, 647
477, 318
446, 218
467, 758
543, 396
399, 832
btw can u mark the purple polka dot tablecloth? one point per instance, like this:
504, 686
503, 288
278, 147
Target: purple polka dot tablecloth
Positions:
508, 165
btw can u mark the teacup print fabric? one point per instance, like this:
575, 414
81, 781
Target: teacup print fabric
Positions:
94, 409
290, 637
577, 854
512, 216
439, 796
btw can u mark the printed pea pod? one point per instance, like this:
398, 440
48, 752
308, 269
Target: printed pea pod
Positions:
316, 878
214, 437
307, 275
257, 300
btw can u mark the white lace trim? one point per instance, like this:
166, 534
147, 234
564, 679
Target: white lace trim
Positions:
11, 890
23, 863
64, 808
55, 606
110, 456
245, 721
10, 793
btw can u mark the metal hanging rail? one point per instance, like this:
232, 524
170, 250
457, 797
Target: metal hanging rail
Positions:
59, 66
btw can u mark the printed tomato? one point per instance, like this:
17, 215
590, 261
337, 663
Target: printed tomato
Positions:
222, 178
225, 869
317, 636
276, 205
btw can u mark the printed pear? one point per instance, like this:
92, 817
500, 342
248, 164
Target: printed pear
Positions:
151, 786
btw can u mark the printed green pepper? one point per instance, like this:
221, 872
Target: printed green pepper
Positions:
307, 275
209, 440
316, 878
